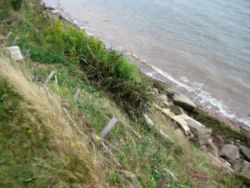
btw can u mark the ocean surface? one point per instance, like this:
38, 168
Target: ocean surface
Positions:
201, 47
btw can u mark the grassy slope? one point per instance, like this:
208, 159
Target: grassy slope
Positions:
145, 156
38, 144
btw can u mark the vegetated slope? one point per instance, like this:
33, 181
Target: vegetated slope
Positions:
110, 86
39, 147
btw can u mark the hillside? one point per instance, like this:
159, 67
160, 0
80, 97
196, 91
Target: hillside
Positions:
50, 125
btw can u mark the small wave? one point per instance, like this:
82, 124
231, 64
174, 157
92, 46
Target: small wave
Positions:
201, 96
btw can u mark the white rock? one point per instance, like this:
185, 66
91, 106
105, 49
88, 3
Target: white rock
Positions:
15, 53
149, 121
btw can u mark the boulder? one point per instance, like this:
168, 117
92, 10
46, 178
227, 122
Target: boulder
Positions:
245, 152
184, 102
230, 152
203, 135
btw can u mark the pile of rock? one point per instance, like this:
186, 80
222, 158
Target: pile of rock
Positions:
229, 157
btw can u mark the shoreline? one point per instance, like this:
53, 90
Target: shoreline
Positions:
237, 125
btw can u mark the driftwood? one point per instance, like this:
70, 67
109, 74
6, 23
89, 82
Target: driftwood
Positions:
182, 123
111, 124
77, 94
50, 77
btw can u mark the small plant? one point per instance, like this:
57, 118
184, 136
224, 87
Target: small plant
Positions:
114, 177
16, 4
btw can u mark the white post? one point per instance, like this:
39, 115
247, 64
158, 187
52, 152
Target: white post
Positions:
49, 77
111, 124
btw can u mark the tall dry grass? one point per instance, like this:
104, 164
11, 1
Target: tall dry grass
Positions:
44, 109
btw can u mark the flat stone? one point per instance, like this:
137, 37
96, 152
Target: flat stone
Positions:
171, 92
192, 122
245, 151
184, 102
230, 152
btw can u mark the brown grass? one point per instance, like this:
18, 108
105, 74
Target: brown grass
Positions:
71, 144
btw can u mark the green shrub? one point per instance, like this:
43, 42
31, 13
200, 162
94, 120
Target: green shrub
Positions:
43, 56
16, 4
107, 69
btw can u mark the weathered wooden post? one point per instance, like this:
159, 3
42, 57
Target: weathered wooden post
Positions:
111, 124
50, 77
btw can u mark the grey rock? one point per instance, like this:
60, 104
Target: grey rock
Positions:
245, 152
204, 135
176, 110
184, 102
230, 152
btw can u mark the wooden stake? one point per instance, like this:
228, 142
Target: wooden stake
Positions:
111, 124
50, 77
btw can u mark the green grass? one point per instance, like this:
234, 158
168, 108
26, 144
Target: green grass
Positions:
21, 143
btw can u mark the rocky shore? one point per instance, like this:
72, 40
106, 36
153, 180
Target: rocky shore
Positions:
227, 154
